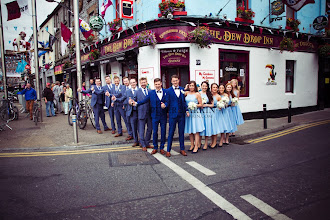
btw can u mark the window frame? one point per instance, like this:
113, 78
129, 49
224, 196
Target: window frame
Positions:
292, 76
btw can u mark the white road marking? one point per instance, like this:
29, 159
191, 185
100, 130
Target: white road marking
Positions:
174, 153
265, 208
201, 187
201, 168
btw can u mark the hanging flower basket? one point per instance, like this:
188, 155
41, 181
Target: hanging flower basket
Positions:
201, 36
145, 38
287, 44
67, 64
292, 24
94, 54
324, 50
91, 37
115, 26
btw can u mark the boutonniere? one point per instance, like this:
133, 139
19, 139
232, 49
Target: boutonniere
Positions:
119, 90
182, 92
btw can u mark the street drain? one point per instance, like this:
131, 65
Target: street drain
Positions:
117, 159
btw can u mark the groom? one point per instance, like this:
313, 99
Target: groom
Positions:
177, 108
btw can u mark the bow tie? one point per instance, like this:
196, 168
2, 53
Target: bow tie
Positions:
177, 88
159, 91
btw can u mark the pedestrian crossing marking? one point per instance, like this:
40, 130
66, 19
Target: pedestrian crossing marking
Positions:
201, 168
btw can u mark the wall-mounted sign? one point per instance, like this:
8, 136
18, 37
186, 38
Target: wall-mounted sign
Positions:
198, 62
96, 23
205, 75
127, 9
174, 57
147, 73
230, 69
58, 69
272, 75
320, 22
277, 7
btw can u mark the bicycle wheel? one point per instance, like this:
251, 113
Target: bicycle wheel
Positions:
4, 114
91, 117
82, 119
16, 113
36, 116
70, 116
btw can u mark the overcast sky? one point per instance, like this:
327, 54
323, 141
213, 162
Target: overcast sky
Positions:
24, 23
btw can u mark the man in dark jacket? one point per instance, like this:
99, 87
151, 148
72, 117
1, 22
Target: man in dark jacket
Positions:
49, 100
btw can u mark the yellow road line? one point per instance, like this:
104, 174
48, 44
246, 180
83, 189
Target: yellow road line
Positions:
286, 132
72, 152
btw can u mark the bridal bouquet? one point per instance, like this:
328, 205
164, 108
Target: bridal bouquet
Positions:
192, 106
204, 100
225, 100
234, 101
221, 105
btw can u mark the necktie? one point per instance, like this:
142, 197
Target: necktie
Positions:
146, 91
116, 88
98, 88
109, 87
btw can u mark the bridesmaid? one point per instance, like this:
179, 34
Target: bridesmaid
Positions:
194, 123
235, 108
225, 111
218, 123
229, 92
207, 112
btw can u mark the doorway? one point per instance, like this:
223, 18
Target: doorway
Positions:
169, 71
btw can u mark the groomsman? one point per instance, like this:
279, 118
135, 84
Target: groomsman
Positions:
97, 104
176, 104
107, 90
144, 117
128, 123
117, 98
131, 111
156, 98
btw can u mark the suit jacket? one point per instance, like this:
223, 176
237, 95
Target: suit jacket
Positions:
108, 100
155, 104
97, 95
143, 110
128, 107
172, 102
120, 95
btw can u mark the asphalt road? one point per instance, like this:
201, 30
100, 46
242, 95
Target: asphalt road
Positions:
281, 178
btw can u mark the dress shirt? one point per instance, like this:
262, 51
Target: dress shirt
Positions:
145, 91
177, 91
159, 94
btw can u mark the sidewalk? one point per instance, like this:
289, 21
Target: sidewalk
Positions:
56, 132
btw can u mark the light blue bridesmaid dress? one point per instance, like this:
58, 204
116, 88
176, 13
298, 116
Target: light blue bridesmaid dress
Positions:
237, 113
194, 123
219, 124
228, 119
208, 115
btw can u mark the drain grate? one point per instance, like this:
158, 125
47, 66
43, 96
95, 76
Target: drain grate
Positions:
117, 159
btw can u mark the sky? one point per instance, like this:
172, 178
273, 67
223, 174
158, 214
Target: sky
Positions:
24, 23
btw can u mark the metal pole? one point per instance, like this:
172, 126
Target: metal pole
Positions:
289, 112
4, 75
265, 115
36, 60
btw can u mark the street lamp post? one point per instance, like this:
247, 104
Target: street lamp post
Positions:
4, 75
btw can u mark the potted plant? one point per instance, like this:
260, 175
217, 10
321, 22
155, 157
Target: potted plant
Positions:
324, 50
292, 24
166, 8
201, 36
94, 54
244, 15
115, 26
145, 38
179, 6
67, 64
91, 37
287, 44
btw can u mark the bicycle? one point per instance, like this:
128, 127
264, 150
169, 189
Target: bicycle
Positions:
36, 113
90, 112
80, 112
8, 111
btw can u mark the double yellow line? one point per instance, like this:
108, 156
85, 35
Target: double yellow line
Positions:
289, 131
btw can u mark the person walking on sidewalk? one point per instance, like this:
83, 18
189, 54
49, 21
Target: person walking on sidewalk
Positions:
177, 108
49, 100
156, 99
97, 103
30, 98
57, 92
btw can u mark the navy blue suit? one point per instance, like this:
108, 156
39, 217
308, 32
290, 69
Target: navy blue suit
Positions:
177, 108
158, 115
144, 118
132, 113
108, 102
118, 107
97, 105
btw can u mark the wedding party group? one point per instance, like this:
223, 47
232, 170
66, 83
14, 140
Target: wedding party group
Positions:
211, 112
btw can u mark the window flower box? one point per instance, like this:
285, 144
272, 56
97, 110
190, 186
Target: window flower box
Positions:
292, 24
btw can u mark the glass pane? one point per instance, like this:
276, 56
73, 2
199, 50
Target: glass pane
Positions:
288, 87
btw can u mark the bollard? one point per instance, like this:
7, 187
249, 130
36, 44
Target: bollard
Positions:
289, 112
75, 131
265, 116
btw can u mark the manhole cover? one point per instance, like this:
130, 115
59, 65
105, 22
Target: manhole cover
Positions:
131, 159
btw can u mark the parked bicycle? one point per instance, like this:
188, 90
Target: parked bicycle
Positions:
83, 111
8, 111
36, 113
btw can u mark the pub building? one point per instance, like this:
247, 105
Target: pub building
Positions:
250, 54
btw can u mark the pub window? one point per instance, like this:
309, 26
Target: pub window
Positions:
289, 76
235, 65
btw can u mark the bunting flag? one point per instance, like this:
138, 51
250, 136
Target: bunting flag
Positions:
65, 37
105, 5
227, 23
41, 52
237, 24
284, 32
9, 41
297, 34
137, 27
13, 10
42, 44
15, 27
297, 4
260, 29
31, 28
84, 28
252, 28
308, 37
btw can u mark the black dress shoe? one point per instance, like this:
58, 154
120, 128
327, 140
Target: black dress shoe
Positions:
194, 152
191, 149
226, 143
213, 147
